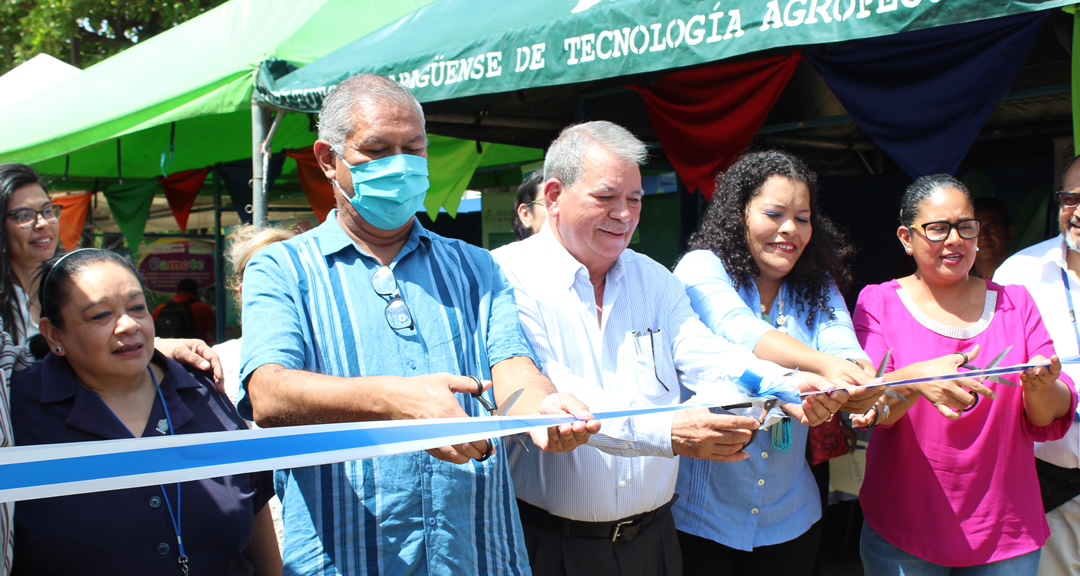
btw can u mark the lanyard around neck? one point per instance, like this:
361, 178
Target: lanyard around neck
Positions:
1072, 311
175, 518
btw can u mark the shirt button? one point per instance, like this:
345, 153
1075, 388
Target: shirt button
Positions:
764, 454
412, 364
761, 482
155, 501
431, 521
754, 511
622, 483
163, 548
427, 467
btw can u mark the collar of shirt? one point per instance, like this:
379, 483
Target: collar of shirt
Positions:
563, 268
90, 414
332, 237
1058, 256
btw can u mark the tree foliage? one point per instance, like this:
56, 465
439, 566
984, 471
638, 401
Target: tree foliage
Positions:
84, 32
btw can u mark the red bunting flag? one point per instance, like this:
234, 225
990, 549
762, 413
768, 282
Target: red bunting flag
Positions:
180, 190
318, 190
705, 117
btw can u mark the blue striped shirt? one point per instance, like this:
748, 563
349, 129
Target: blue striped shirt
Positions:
309, 304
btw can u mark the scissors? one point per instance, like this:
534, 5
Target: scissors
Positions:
878, 381
766, 406
501, 411
993, 364
881, 374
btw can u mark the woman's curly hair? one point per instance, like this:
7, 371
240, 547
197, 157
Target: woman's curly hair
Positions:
723, 231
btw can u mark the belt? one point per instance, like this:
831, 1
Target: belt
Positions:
623, 530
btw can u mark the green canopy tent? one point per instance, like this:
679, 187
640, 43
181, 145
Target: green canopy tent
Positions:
459, 48
183, 99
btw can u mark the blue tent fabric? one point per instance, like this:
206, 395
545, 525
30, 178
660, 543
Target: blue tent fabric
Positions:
236, 176
923, 96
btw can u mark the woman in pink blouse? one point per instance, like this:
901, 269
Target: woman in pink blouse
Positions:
950, 476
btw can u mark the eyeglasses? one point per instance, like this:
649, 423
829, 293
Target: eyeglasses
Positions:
1068, 199
397, 312
939, 231
25, 217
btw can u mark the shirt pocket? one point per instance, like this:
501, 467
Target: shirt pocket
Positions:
653, 370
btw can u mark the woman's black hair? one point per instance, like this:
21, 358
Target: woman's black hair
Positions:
12, 178
526, 194
57, 275
723, 231
922, 189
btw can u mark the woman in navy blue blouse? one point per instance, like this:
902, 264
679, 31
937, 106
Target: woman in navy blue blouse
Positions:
103, 380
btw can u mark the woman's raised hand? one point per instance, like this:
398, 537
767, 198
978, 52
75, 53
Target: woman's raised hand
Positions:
1039, 379
950, 396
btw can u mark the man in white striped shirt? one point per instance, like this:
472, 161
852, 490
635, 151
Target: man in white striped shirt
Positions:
616, 328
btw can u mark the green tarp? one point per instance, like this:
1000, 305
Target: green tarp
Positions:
182, 100
455, 48
201, 69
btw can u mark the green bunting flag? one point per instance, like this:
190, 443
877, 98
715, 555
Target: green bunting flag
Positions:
130, 206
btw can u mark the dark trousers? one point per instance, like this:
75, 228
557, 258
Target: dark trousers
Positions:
791, 558
653, 552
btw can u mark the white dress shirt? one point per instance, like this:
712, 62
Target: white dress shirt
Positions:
628, 468
1038, 268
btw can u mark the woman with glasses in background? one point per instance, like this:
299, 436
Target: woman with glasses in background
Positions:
763, 273
30, 235
950, 474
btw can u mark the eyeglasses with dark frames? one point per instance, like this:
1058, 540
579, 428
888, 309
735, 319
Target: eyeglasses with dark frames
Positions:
1068, 199
968, 229
398, 315
25, 217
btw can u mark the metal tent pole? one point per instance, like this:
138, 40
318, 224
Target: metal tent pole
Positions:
219, 264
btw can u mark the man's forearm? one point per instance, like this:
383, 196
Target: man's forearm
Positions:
284, 397
519, 373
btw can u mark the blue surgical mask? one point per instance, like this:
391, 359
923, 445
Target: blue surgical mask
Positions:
388, 191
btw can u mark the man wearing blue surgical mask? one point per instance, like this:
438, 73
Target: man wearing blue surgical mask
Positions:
372, 317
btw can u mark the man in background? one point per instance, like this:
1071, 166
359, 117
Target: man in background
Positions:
185, 315
1050, 270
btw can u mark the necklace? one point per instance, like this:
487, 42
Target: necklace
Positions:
175, 518
780, 318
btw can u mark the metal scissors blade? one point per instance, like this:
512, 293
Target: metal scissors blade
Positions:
506, 405
884, 362
993, 364
881, 373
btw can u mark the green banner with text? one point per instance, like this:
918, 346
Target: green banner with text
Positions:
455, 48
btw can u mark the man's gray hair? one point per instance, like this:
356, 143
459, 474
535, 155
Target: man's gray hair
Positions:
338, 114
565, 159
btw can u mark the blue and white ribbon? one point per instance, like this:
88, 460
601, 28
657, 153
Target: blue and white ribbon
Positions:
962, 375
46, 471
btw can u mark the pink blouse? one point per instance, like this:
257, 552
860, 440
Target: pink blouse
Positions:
957, 492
